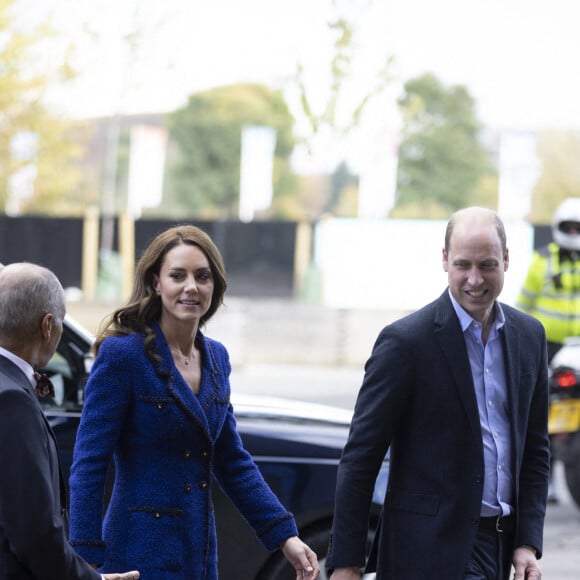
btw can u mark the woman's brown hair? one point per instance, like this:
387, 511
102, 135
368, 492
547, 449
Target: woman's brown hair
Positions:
144, 305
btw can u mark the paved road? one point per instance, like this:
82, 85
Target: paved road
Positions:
339, 385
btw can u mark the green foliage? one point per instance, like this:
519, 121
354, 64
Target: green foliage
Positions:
23, 84
441, 159
203, 163
559, 152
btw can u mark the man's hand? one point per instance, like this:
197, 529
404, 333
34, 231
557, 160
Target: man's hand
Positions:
526, 564
302, 558
133, 575
351, 573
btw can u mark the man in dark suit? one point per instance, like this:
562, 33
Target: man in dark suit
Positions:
33, 520
457, 391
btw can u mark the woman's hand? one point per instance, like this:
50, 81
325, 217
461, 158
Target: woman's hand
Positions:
302, 558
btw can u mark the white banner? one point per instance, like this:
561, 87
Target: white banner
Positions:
519, 169
378, 176
146, 168
21, 182
256, 169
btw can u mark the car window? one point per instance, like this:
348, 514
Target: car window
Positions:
60, 373
68, 370
67, 384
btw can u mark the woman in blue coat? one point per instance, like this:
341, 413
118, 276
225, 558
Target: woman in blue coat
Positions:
158, 402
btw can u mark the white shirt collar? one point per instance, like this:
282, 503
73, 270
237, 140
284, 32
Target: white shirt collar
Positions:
24, 366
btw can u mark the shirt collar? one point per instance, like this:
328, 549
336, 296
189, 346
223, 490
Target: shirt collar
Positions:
24, 366
466, 320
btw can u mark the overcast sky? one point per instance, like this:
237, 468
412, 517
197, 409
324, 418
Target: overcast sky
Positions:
519, 58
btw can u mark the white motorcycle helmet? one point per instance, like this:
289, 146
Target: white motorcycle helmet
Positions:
567, 211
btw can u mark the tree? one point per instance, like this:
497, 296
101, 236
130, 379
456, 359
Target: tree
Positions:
341, 65
442, 162
349, 104
559, 152
203, 173
37, 173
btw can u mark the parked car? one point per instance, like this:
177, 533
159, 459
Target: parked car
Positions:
296, 445
564, 422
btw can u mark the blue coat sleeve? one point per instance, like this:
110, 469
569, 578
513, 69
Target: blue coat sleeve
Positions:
241, 479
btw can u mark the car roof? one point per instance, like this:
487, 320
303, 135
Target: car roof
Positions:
278, 407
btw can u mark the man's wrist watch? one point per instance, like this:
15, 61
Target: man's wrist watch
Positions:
533, 550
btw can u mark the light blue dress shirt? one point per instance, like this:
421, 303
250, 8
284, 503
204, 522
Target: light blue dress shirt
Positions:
489, 378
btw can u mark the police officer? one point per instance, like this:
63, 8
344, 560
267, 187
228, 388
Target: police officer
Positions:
551, 290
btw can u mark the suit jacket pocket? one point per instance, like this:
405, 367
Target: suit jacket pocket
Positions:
412, 501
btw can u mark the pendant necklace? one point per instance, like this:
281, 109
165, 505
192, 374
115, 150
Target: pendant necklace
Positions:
185, 360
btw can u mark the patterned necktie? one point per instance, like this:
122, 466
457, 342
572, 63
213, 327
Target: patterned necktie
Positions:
44, 386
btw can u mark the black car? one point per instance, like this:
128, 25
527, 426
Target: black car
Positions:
296, 445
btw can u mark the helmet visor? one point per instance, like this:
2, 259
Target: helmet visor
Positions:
569, 227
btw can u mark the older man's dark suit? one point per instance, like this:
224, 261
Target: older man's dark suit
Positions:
33, 542
418, 399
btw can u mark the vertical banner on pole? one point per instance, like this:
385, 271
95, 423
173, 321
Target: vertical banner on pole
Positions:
146, 168
519, 169
21, 182
256, 170
378, 177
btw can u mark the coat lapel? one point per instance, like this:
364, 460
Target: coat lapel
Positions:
187, 401
192, 405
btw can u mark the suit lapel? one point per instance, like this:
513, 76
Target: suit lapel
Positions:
452, 343
12, 371
511, 346
61, 482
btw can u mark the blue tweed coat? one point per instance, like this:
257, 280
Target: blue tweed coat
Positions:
167, 443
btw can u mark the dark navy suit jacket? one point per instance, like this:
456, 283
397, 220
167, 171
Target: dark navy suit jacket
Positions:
33, 536
418, 400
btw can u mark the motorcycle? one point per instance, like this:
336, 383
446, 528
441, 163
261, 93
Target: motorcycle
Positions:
564, 417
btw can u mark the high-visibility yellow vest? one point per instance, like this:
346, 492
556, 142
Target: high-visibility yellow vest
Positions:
551, 293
